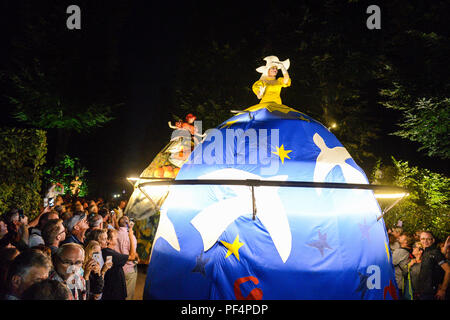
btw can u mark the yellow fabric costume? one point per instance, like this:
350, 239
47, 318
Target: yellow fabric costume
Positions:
270, 100
273, 89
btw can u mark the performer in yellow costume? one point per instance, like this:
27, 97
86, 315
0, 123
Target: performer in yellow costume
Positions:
268, 87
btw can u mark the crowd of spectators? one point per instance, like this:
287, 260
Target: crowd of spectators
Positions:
422, 270
74, 250
86, 250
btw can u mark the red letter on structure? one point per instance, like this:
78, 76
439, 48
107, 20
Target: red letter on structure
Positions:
255, 294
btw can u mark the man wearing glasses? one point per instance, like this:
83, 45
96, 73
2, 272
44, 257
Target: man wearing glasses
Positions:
67, 262
434, 272
76, 226
53, 234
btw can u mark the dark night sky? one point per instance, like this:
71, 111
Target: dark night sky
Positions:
149, 49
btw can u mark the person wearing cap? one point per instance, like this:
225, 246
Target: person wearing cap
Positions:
76, 229
268, 87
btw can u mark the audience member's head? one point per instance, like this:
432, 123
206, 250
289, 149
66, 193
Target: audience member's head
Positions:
417, 235
112, 238
68, 259
427, 239
66, 215
99, 235
417, 250
3, 228
93, 208
404, 240
77, 224
397, 231
122, 204
392, 238
54, 233
105, 213
91, 248
95, 221
27, 268
78, 207
47, 290
60, 209
7, 255
59, 200
44, 249
123, 221
11, 216
47, 216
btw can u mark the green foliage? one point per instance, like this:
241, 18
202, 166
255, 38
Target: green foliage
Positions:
428, 203
424, 121
65, 171
417, 80
22, 155
40, 103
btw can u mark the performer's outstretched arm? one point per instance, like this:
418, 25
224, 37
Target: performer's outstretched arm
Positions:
285, 74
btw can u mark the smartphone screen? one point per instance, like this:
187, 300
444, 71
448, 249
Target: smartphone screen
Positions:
96, 257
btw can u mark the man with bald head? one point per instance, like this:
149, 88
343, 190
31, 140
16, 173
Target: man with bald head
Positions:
68, 262
434, 275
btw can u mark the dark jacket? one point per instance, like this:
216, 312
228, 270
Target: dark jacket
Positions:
72, 239
431, 273
115, 286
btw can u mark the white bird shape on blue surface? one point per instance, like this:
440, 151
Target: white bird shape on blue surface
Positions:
328, 158
212, 221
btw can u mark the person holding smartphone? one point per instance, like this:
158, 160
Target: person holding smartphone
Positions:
115, 287
17, 226
124, 246
95, 269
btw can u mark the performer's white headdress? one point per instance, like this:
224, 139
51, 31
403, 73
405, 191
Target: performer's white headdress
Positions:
272, 61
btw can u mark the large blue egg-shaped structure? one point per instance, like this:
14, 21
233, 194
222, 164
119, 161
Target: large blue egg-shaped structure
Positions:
227, 242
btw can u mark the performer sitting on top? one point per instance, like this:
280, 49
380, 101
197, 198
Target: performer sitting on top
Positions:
268, 87
188, 124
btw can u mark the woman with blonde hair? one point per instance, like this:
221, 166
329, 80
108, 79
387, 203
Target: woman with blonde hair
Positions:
93, 254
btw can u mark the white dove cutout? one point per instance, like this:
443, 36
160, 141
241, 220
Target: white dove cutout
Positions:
212, 221
328, 158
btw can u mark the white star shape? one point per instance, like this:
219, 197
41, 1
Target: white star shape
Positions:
166, 230
212, 221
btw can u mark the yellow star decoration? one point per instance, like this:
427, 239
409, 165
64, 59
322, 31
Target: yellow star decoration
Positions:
233, 248
387, 251
282, 153
229, 124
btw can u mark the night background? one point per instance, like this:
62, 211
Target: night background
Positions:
105, 93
